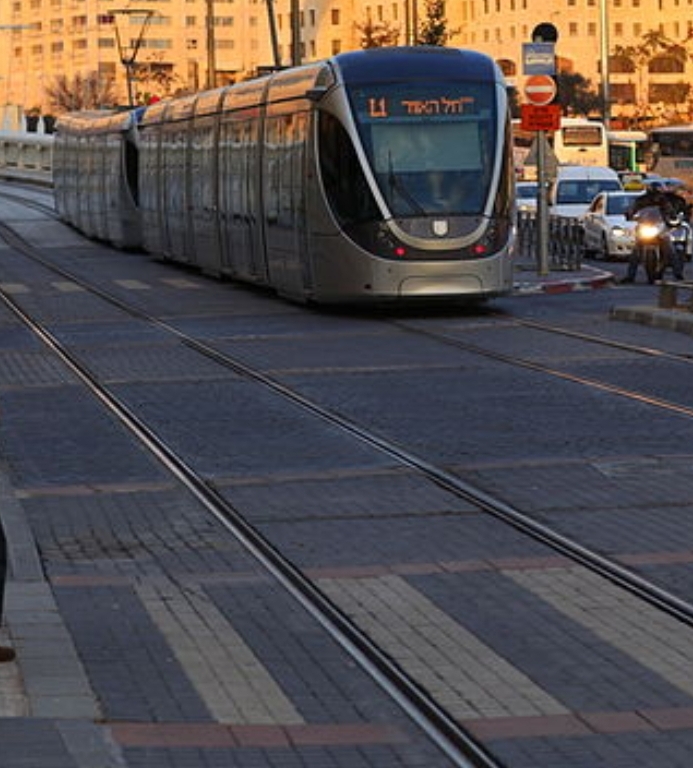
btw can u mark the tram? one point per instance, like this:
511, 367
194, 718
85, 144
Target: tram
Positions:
375, 175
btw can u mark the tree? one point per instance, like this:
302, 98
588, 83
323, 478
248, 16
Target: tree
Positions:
652, 45
433, 29
80, 92
377, 34
154, 78
576, 94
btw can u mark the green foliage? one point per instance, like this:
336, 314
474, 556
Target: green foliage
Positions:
433, 29
576, 95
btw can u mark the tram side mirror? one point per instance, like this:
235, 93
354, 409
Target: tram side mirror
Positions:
315, 94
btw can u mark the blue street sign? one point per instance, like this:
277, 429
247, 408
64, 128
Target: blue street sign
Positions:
538, 59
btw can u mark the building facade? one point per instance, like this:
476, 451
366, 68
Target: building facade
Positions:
163, 47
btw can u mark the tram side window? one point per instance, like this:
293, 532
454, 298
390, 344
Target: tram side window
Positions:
345, 185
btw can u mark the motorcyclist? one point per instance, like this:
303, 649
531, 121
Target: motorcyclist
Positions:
670, 205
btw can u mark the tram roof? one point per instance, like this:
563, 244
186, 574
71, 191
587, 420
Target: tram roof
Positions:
415, 62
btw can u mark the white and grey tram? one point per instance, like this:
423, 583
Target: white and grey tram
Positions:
377, 175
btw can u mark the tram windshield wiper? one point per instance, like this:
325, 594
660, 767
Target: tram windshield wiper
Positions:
396, 185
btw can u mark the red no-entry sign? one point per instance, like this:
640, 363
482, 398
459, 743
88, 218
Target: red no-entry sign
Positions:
540, 90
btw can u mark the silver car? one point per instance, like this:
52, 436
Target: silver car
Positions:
608, 233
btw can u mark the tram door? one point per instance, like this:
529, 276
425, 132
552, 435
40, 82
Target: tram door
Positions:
203, 192
284, 191
239, 196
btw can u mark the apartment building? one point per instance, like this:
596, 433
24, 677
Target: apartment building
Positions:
172, 49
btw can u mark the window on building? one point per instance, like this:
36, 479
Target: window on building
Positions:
622, 93
669, 93
191, 21
621, 65
573, 29
666, 64
191, 45
336, 47
618, 29
154, 44
334, 16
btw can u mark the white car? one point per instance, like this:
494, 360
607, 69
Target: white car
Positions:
608, 233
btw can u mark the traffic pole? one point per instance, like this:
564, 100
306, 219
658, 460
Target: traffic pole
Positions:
542, 207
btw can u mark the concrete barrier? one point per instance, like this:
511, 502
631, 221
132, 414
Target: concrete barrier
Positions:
26, 156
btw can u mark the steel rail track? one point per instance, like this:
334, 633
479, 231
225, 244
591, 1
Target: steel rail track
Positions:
463, 750
606, 567
435, 721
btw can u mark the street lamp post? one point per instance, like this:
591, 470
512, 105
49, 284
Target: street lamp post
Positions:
211, 47
604, 59
128, 50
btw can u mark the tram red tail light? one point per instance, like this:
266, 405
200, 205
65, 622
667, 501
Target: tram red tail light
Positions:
479, 249
400, 251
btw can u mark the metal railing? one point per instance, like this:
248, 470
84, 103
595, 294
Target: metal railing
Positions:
565, 241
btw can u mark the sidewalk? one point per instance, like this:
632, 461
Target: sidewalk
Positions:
528, 281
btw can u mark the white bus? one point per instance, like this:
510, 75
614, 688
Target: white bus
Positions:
577, 142
672, 152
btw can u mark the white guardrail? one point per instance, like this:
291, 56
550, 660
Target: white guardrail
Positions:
26, 157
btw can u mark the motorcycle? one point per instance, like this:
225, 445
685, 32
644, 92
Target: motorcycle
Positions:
650, 231
680, 237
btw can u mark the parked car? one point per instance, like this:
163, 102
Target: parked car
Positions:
527, 195
608, 233
577, 185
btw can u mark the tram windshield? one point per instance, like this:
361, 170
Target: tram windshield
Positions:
430, 145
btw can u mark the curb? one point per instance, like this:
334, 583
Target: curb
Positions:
585, 280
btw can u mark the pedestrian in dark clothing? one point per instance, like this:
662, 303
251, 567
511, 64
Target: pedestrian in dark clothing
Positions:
6, 653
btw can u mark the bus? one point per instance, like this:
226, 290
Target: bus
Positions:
672, 152
578, 141
628, 150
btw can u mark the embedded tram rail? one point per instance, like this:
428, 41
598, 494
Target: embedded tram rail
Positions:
415, 461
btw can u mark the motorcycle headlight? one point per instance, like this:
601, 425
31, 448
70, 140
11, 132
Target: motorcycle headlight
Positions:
649, 231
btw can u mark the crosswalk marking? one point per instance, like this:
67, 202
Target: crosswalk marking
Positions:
229, 678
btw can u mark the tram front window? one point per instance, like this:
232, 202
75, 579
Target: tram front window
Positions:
431, 147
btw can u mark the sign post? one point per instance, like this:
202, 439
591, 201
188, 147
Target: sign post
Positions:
541, 115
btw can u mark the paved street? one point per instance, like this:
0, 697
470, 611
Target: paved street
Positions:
149, 636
